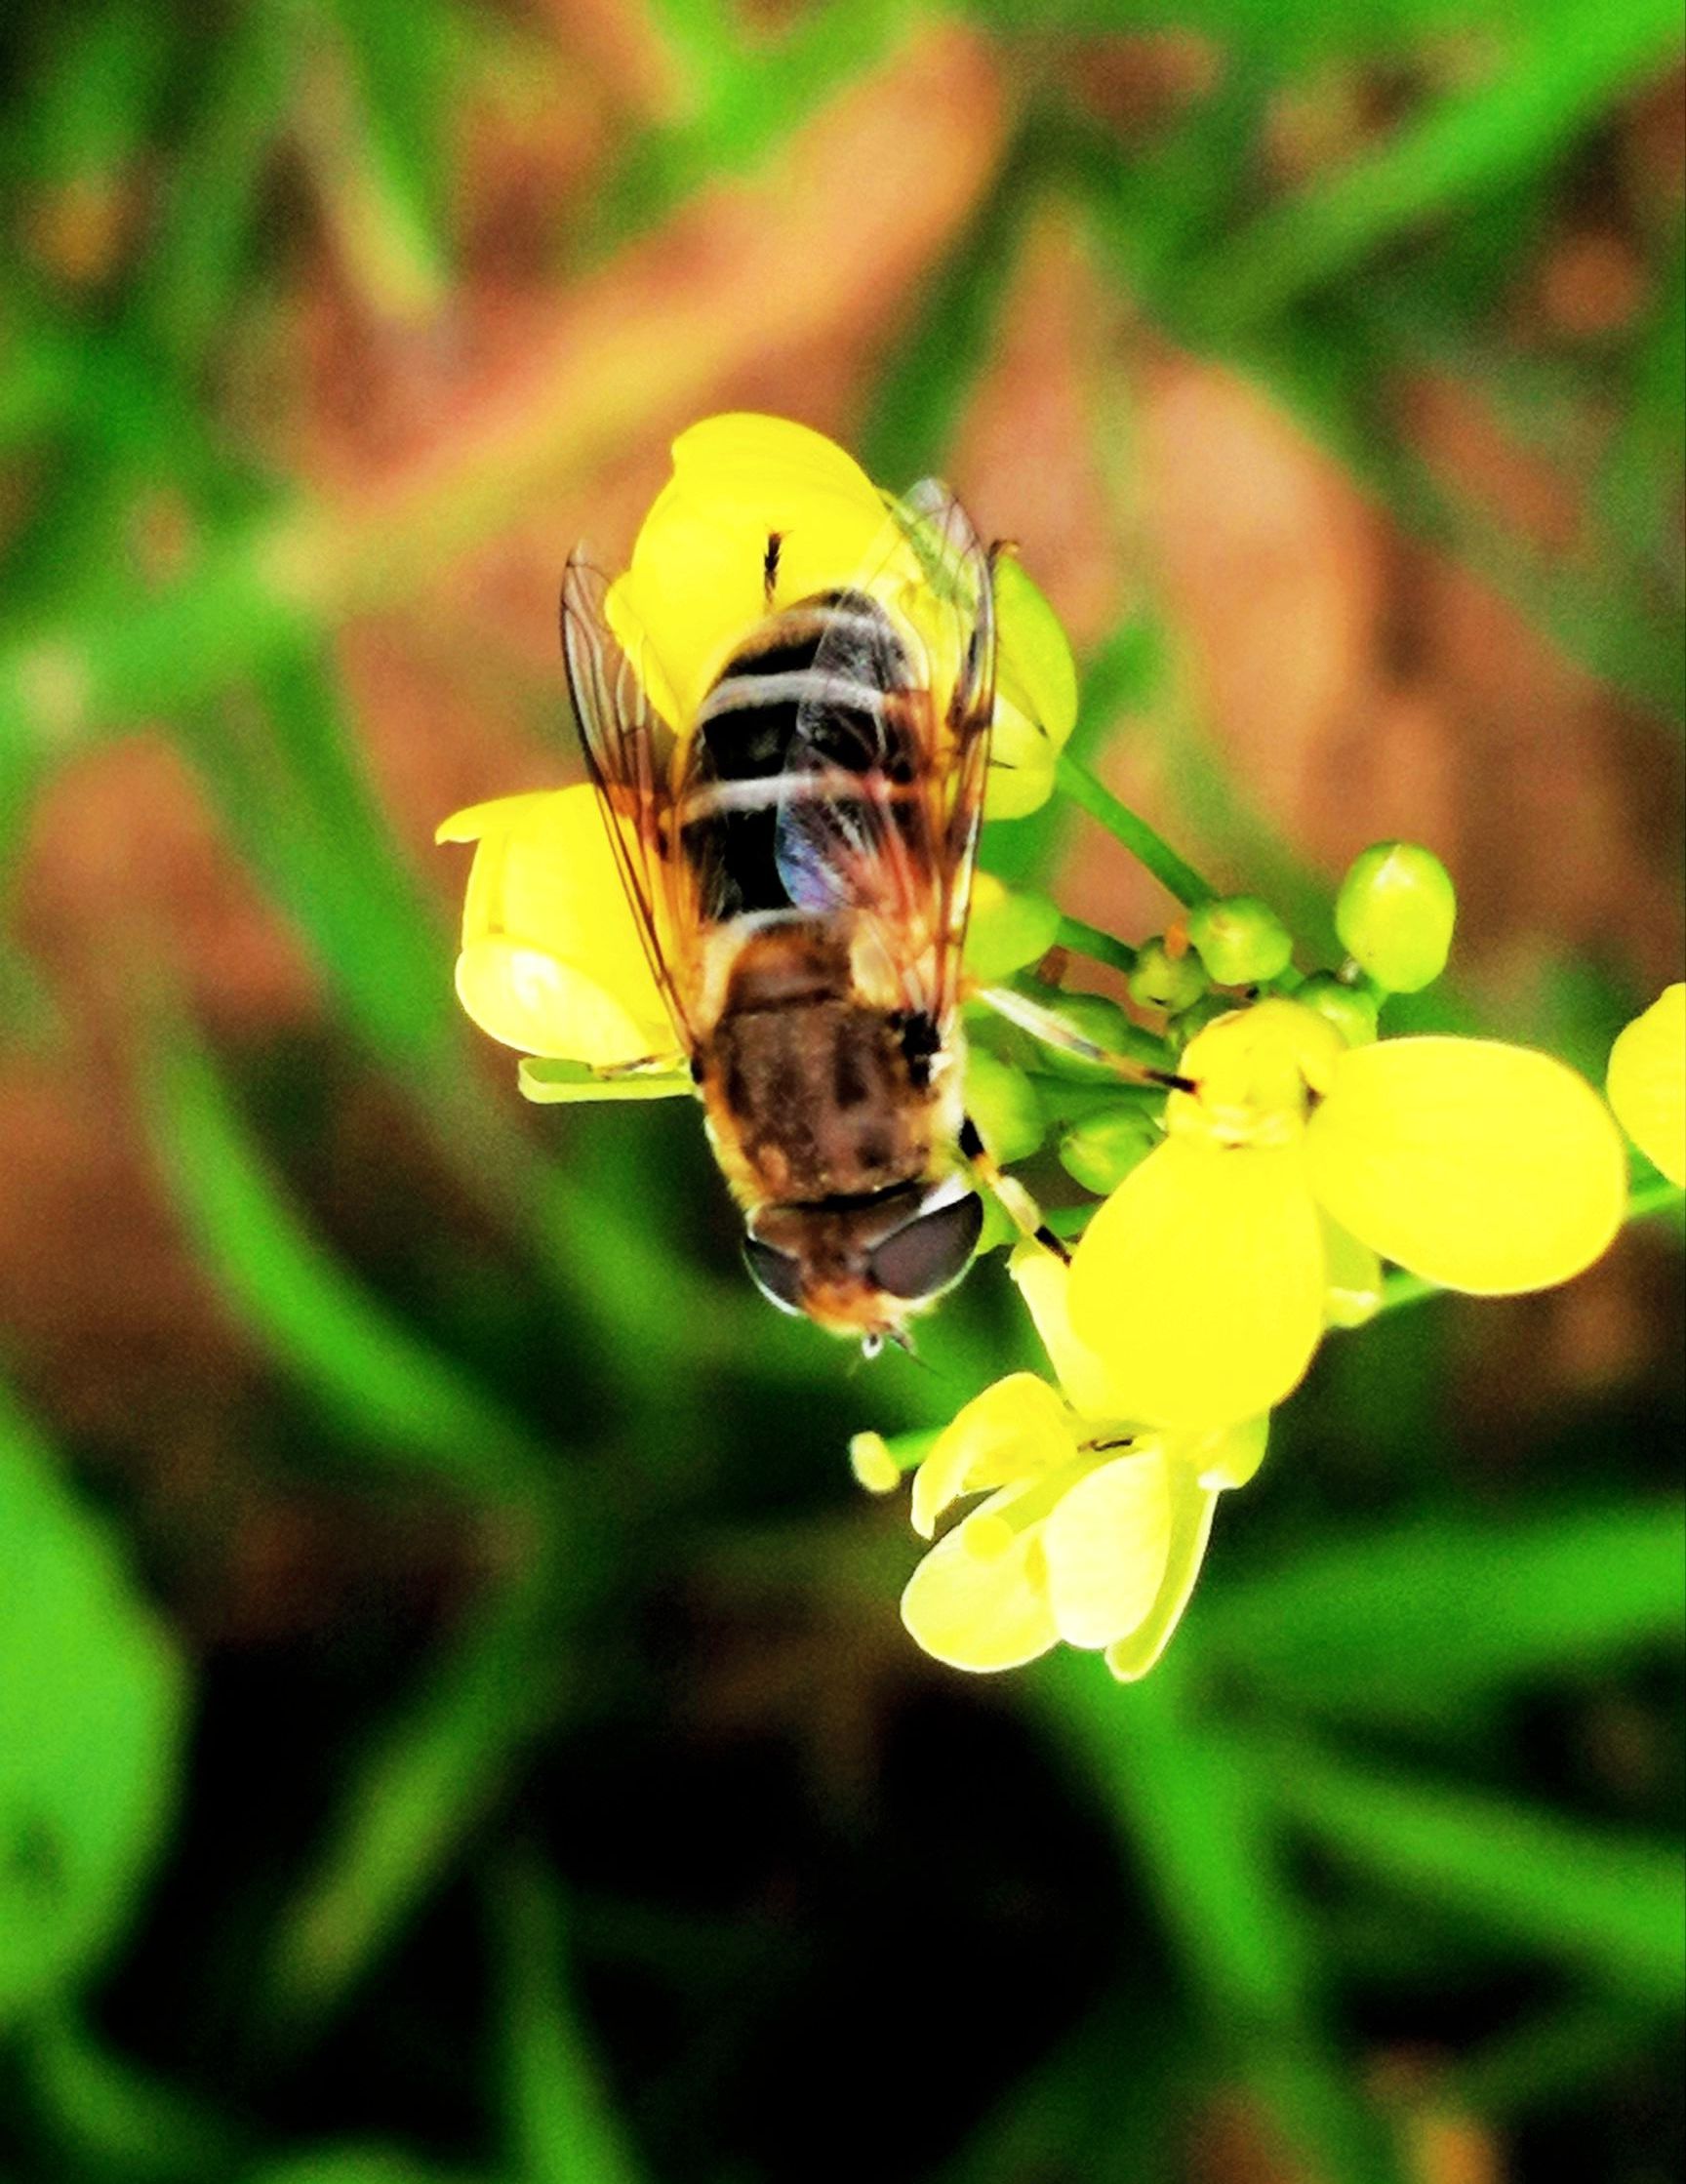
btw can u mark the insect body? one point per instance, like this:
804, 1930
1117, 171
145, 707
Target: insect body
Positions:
800, 856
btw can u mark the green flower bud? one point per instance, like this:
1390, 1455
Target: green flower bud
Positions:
1105, 1023
1241, 940
1350, 1010
1193, 1020
1002, 1101
1395, 914
1163, 981
1101, 1150
1007, 930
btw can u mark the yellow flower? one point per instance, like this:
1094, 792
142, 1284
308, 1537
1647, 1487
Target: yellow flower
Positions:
696, 585
552, 961
1647, 1082
1092, 1533
1206, 1279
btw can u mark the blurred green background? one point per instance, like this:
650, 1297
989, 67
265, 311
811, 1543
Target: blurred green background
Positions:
454, 1722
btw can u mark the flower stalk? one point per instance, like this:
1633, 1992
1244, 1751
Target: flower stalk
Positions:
1144, 844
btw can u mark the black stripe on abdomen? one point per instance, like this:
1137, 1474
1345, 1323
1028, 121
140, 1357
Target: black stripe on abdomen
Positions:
832, 660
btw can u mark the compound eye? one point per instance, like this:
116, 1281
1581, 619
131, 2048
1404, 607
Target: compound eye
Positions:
775, 1274
931, 1251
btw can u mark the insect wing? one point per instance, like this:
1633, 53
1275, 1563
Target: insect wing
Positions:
964, 583
886, 772
630, 750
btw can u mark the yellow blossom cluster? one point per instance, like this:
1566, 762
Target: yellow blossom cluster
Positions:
1296, 1154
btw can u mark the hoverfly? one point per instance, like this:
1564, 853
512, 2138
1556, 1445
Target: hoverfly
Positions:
800, 861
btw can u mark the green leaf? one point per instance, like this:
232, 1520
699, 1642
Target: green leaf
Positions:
91, 1727
561, 2124
742, 96
1289, 37
380, 1383
105, 2116
1549, 2062
1198, 1812
1571, 65
422, 1780
925, 383
212, 191
1064, 2119
1647, 454
290, 783
355, 2164
90, 106
1416, 1622
1610, 1904
375, 127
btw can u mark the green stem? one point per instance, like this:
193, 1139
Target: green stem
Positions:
1137, 836
1657, 1196
1099, 947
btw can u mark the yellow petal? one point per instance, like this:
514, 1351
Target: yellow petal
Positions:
1106, 1541
1229, 1458
1193, 1505
696, 585
982, 1609
541, 1005
552, 961
1253, 1071
1485, 1167
499, 815
1044, 1284
1013, 1430
1036, 696
1200, 1282
1647, 1082
1353, 1280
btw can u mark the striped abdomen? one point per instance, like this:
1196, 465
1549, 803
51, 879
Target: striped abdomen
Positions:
818, 700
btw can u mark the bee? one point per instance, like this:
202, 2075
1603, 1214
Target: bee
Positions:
800, 861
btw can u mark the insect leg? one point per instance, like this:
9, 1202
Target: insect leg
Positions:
1019, 1206
1042, 1024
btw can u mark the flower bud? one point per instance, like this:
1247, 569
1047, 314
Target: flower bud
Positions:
1395, 914
1188, 1024
1647, 1082
1007, 930
874, 1466
1002, 1101
1350, 1009
1101, 1150
1241, 940
1163, 981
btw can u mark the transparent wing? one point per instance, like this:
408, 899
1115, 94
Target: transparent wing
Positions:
630, 750
884, 784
